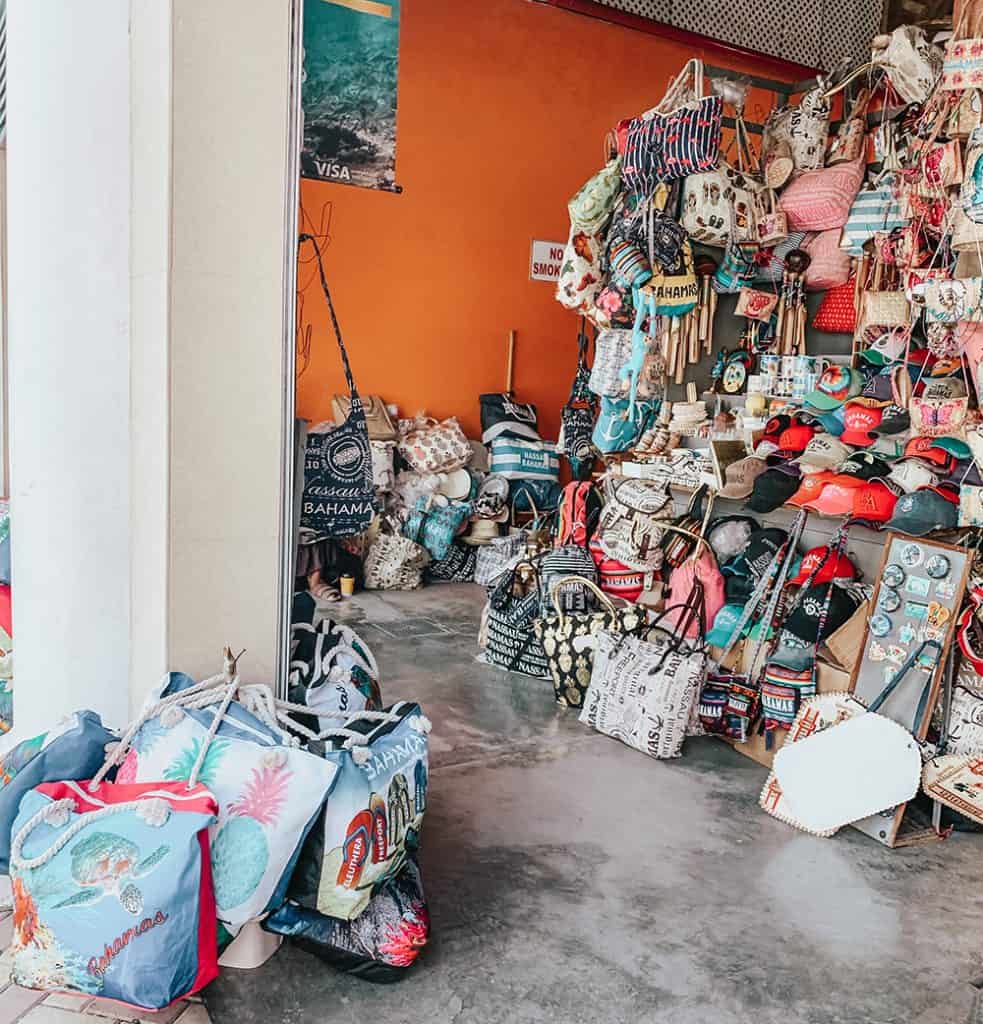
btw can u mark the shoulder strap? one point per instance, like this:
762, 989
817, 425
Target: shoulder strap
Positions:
356, 401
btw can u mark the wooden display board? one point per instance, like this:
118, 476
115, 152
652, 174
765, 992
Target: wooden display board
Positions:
883, 655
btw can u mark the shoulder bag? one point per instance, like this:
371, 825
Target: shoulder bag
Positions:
339, 493
435, 526
569, 653
802, 129
578, 415
644, 692
510, 636
822, 199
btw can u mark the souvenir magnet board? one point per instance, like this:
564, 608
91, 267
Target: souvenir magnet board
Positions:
917, 597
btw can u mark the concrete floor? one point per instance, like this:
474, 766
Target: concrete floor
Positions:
573, 879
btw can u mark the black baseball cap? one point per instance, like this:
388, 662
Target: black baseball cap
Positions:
772, 489
804, 620
865, 466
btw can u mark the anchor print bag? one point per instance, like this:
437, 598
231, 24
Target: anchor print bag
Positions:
269, 794
372, 822
112, 891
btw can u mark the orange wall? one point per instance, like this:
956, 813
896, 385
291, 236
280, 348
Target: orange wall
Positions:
503, 109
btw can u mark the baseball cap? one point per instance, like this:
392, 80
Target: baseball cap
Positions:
831, 422
923, 512
794, 440
879, 389
739, 476
771, 490
811, 487
724, 624
859, 421
910, 474
762, 546
822, 452
792, 652
865, 465
873, 504
965, 471
925, 448
837, 385
887, 347
831, 566
804, 620
953, 446
947, 387
894, 420
947, 491
836, 497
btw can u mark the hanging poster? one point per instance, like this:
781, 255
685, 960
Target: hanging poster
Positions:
351, 60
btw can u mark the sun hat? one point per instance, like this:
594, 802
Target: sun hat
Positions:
739, 476
823, 452
859, 421
831, 565
837, 385
922, 512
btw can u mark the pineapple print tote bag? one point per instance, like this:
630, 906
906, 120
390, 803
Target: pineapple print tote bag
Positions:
269, 795
372, 822
112, 891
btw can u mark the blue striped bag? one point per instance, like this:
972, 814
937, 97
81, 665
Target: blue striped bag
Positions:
876, 208
516, 459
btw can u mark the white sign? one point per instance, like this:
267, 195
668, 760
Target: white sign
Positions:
545, 260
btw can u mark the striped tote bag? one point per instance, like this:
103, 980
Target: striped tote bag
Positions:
876, 208
516, 459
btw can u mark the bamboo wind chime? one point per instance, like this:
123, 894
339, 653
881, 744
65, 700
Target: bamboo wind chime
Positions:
790, 326
685, 340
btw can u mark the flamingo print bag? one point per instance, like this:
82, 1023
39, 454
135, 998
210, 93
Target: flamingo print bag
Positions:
269, 793
112, 891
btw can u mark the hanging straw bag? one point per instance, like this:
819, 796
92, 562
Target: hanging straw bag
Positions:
564, 637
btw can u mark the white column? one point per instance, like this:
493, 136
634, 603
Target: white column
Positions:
69, 356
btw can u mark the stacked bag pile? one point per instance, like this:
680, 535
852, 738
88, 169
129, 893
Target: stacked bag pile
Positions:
218, 807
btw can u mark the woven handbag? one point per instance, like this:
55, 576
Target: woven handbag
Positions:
394, 563
571, 660
837, 313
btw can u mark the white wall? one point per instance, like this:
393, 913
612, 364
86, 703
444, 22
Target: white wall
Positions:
69, 314
230, 115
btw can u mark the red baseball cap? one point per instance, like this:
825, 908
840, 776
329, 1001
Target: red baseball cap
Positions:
924, 448
837, 567
946, 491
810, 488
794, 440
835, 497
858, 422
874, 502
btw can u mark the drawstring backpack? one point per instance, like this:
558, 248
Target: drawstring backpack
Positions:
339, 497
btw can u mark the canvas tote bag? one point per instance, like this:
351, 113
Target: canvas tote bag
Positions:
339, 492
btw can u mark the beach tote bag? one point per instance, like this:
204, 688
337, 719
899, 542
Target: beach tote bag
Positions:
431, 446
371, 824
821, 200
511, 641
112, 891
380, 944
573, 562
912, 63
582, 273
643, 692
518, 459
498, 557
591, 208
679, 137
457, 566
394, 562
435, 526
578, 415
74, 749
568, 638
875, 208
268, 792
801, 130
339, 492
